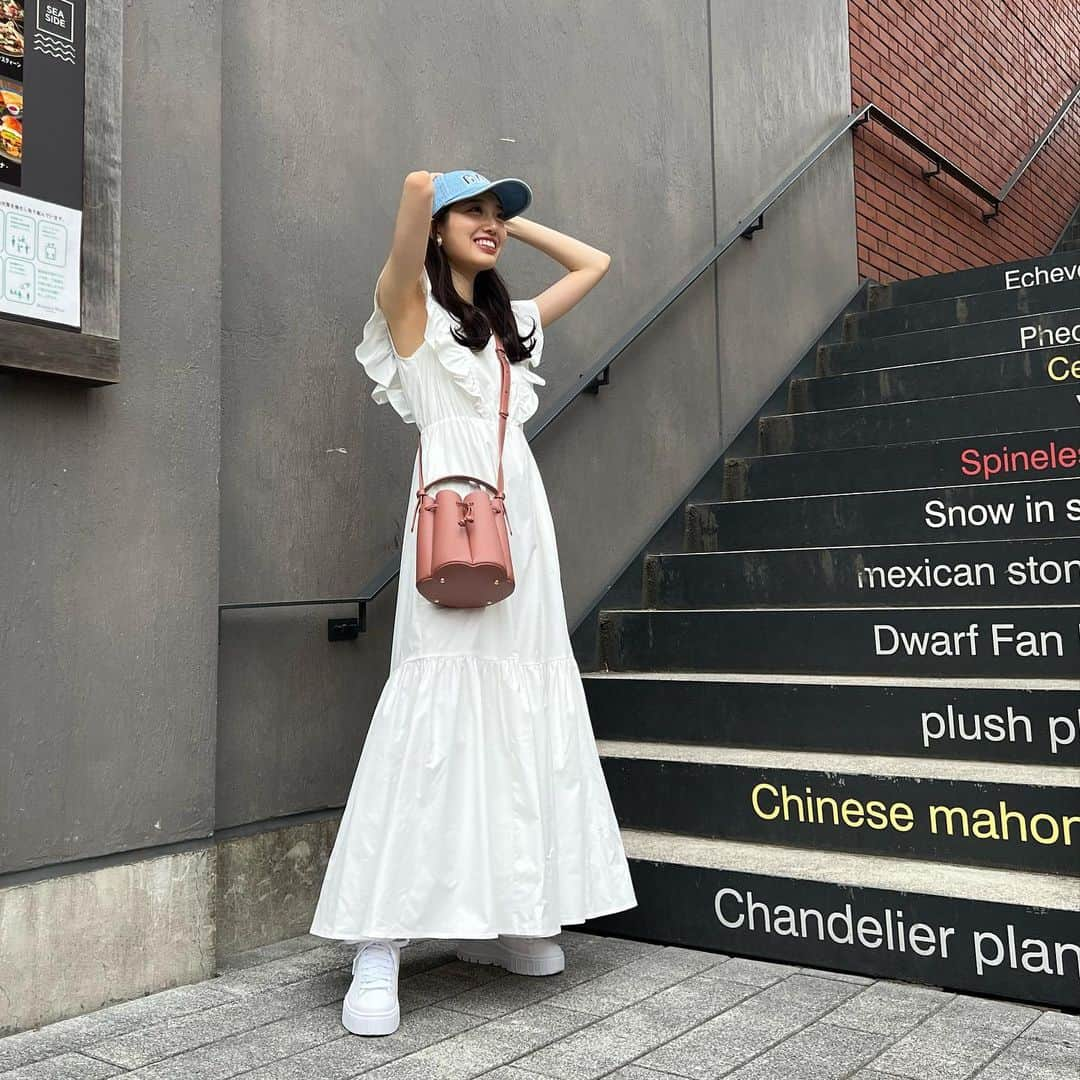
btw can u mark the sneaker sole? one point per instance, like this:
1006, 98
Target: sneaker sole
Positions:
370, 1023
513, 961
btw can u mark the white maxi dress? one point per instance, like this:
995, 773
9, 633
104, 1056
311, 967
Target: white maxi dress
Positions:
479, 806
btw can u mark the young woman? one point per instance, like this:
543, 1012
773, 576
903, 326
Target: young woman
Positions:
479, 809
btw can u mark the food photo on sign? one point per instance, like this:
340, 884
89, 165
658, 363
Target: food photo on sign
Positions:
11, 125
12, 37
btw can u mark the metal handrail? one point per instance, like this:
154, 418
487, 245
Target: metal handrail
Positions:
1049, 130
941, 162
598, 374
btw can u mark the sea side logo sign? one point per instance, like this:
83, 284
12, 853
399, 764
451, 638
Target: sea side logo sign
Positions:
42, 68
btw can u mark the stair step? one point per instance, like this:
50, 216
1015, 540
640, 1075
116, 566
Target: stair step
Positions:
903, 516
968, 460
1024, 273
1019, 720
1024, 817
921, 421
843, 729
994, 641
942, 379
1049, 330
973, 573
916, 921
962, 310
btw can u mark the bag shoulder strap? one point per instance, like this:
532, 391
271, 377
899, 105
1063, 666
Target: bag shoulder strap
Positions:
504, 413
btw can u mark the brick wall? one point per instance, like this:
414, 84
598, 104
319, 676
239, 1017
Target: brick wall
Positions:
978, 80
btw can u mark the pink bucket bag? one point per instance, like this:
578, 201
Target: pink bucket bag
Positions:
462, 547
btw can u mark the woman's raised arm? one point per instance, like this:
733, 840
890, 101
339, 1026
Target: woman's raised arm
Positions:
399, 286
586, 266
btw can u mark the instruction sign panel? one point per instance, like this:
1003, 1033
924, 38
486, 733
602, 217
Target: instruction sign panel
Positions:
42, 68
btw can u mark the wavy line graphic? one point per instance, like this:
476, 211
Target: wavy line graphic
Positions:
57, 49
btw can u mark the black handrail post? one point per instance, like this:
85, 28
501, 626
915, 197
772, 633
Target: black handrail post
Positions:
348, 629
748, 233
599, 380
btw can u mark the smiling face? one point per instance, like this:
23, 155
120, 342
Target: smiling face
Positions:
473, 232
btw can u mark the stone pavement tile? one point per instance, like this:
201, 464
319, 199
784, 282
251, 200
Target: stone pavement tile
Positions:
955, 1042
447, 983
632, 982
511, 1072
870, 1074
626, 949
25, 1048
1056, 1027
111, 1020
1029, 1059
351, 1055
843, 976
611, 951
256, 978
890, 1008
627, 1072
483, 1047
124, 1017
236, 1054
64, 1067
619, 950
738, 1034
153, 1043
819, 1052
760, 973
499, 996
416, 957
276, 950
624, 1036
419, 955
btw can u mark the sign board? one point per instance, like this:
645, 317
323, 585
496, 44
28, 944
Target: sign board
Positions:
42, 70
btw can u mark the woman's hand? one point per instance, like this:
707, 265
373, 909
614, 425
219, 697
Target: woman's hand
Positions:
420, 176
587, 265
572, 253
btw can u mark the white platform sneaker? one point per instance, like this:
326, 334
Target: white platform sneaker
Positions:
371, 1004
521, 955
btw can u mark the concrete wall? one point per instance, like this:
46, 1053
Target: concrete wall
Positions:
109, 581
685, 115
114, 747
109, 522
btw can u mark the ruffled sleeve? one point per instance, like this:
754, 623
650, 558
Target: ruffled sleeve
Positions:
382, 362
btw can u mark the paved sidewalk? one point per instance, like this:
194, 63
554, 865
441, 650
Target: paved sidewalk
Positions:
621, 1009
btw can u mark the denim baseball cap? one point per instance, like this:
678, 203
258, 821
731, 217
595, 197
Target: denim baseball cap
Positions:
513, 195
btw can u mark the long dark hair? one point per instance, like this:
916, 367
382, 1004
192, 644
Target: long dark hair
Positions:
489, 310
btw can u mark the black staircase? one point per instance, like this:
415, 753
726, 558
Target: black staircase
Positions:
842, 729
